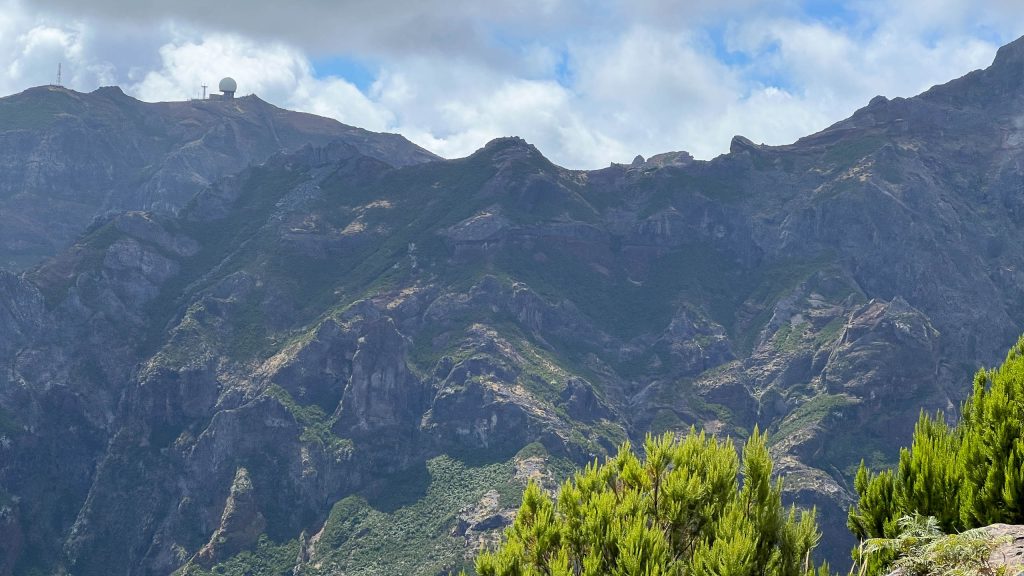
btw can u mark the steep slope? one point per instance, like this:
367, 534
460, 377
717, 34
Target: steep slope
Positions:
67, 157
343, 364
269, 321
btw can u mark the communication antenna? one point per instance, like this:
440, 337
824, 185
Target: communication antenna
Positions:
59, 64
204, 91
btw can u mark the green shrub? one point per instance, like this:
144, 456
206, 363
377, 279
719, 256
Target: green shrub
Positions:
965, 476
922, 549
681, 510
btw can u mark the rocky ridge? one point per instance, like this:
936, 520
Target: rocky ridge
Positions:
68, 157
345, 346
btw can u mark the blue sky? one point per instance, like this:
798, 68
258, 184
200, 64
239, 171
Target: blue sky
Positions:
360, 72
588, 81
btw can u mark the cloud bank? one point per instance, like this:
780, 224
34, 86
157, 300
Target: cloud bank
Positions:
587, 81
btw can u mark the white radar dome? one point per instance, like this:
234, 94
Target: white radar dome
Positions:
228, 85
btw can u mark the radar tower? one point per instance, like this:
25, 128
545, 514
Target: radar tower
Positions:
227, 88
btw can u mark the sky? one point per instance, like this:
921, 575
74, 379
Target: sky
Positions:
588, 82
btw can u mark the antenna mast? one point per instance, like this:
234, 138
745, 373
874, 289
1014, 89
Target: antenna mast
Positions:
59, 64
204, 91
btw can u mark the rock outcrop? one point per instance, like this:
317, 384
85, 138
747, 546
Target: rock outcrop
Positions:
240, 524
1008, 556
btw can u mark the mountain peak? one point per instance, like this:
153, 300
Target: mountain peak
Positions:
509, 143
509, 147
740, 144
109, 91
1011, 54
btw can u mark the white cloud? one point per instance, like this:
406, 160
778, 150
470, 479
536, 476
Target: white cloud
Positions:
32, 48
276, 72
454, 107
396, 27
841, 64
655, 90
588, 83
186, 62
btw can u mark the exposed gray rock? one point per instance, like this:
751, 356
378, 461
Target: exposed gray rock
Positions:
1010, 554
240, 524
382, 394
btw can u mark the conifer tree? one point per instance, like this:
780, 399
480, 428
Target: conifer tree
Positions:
680, 510
965, 476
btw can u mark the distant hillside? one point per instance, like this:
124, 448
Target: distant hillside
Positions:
346, 360
68, 157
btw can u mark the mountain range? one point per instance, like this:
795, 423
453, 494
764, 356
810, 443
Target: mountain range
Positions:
236, 339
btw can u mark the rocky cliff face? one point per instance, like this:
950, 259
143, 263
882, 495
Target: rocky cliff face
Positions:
342, 359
